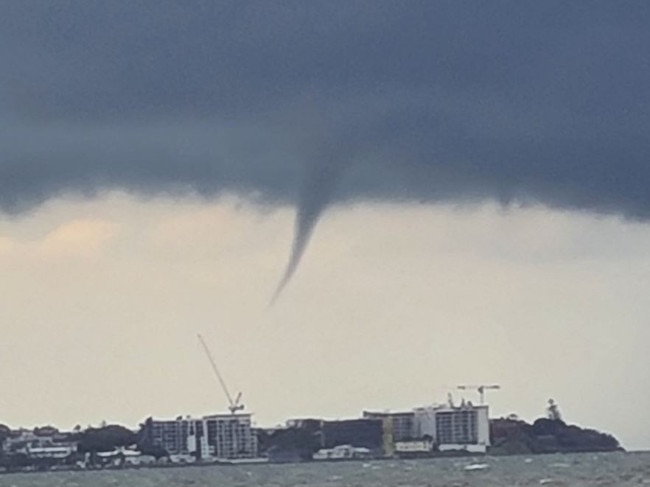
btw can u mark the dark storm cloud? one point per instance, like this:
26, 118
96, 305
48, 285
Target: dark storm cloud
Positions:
530, 101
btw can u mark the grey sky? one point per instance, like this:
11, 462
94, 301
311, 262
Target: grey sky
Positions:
447, 102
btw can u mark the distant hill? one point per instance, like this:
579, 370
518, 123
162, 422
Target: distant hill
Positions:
514, 436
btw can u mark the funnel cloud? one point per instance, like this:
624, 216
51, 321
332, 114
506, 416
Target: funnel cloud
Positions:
521, 102
315, 195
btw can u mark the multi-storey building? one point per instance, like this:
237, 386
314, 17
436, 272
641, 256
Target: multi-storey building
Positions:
230, 436
174, 435
448, 427
220, 436
402, 424
464, 427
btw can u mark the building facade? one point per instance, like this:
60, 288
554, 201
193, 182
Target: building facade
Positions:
174, 435
464, 427
220, 436
402, 423
230, 436
40, 443
447, 427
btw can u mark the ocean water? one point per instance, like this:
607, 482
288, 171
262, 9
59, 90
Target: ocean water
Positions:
610, 469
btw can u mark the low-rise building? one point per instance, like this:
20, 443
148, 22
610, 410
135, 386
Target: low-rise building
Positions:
413, 448
343, 452
40, 443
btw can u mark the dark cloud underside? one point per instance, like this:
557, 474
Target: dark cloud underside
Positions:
531, 101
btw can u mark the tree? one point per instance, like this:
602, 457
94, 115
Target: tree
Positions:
105, 439
5, 432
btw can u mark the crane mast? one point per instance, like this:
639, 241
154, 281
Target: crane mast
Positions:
233, 405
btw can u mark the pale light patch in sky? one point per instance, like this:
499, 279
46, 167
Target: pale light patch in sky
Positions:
78, 237
393, 306
6, 245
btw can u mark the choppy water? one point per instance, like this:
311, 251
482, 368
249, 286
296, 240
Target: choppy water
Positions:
612, 469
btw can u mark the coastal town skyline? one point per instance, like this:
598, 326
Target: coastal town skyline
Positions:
457, 429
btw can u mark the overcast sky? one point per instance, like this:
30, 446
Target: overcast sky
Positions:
468, 181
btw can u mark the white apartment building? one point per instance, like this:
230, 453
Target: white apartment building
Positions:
463, 427
219, 436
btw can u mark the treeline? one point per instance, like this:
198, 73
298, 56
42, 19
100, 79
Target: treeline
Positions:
297, 444
514, 436
89, 443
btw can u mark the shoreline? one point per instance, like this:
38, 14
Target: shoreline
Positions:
362, 461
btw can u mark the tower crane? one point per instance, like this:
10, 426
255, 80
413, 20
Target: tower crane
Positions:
480, 389
233, 405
